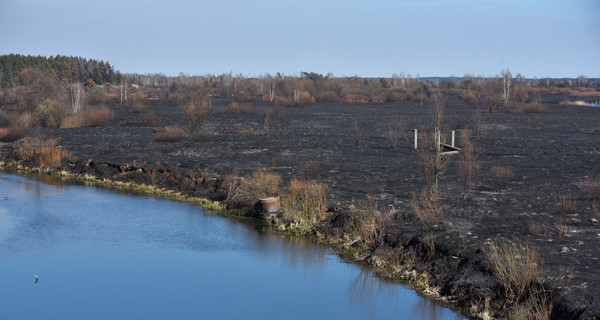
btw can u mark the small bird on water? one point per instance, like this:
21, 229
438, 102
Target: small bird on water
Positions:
36, 280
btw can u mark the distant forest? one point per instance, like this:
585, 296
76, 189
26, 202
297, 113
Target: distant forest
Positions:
62, 69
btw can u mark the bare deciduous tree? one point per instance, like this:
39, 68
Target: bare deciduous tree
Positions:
433, 162
490, 94
430, 150
76, 93
197, 102
394, 130
123, 91
506, 85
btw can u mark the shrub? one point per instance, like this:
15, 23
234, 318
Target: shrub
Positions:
235, 107
369, 222
535, 107
394, 130
50, 113
149, 119
26, 120
565, 204
353, 97
420, 98
476, 122
140, 107
42, 152
169, 134
96, 96
94, 117
596, 209
261, 184
137, 95
114, 95
513, 107
11, 134
521, 94
429, 152
428, 208
300, 98
537, 307
195, 114
591, 188
305, 203
515, 265
500, 176
327, 96
469, 97
72, 122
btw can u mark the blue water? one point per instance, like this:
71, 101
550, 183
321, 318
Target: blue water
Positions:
103, 255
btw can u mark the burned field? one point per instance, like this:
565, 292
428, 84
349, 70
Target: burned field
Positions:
536, 184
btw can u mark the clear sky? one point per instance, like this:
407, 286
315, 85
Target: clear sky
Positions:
346, 37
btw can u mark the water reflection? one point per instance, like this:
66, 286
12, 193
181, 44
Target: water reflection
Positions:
226, 265
368, 290
303, 255
34, 187
427, 309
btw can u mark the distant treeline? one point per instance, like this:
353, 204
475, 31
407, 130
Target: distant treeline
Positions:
62, 69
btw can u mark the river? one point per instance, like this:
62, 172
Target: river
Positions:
98, 254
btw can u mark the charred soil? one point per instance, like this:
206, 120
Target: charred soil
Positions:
349, 147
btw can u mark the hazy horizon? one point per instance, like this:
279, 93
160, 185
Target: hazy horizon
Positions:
365, 38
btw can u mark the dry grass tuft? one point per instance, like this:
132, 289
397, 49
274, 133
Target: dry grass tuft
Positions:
42, 152
565, 204
591, 188
305, 203
137, 95
500, 176
140, 107
428, 208
535, 107
72, 122
169, 134
94, 117
515, 265
149, 119
519, 107
596, 209
537, 307
235, 107
369, 222
261, 184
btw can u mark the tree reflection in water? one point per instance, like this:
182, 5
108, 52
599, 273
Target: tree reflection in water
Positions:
368, 290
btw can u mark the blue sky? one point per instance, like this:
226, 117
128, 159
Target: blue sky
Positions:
351, 37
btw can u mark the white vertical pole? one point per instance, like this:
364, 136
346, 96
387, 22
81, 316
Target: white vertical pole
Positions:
453, 138
416, 138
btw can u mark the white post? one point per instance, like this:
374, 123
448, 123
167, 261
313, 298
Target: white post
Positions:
416, 138
452, 138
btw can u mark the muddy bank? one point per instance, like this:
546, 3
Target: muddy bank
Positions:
443, 266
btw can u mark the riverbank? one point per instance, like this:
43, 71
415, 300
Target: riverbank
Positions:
380, 262
346, 147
